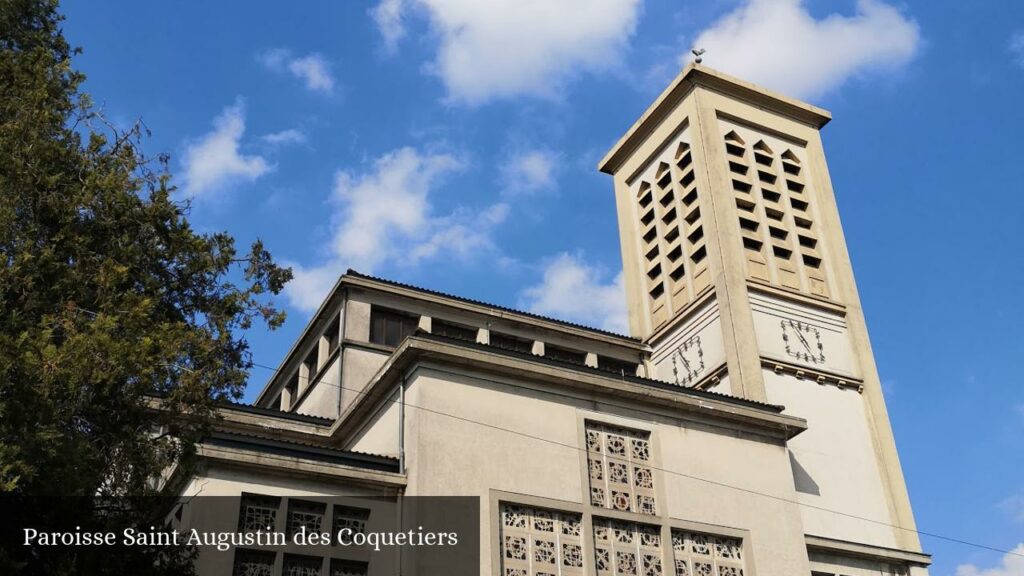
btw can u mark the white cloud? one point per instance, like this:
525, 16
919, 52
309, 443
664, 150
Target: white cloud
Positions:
509, 48
388, 204
289, 136
214, 160
384, 216
313, 69
1014, 507
778, 44
575, 291
389, 18
1012, 565
530, 171
1017, 47
308, 286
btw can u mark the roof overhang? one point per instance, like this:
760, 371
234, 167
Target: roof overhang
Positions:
692, 77
869, 551
736, 413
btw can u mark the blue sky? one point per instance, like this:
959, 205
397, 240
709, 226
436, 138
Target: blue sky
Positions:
483, 125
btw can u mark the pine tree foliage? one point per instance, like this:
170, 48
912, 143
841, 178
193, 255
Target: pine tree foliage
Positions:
108, 298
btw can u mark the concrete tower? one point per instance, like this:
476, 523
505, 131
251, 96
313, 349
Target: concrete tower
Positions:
738, 278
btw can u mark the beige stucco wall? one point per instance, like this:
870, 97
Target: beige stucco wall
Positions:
360, 365
322, 399
543, 459
837, 460
704, 325
770, 313
381, 434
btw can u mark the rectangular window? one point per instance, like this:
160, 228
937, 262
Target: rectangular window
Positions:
304, 514
347, 568
253, 563
352, 518
509, 342
292, 387
333, 335
310, 363
258, 513
619, 465
389, 328
616, 366
697, 554
538, 542
452, 330
295, 565
565, 354
622, 548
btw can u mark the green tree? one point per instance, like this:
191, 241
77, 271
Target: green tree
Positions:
108, 299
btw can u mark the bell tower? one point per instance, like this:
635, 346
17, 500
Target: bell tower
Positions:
737, 275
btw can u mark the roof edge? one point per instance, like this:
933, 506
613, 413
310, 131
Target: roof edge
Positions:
695, 75
738, 411
522, 314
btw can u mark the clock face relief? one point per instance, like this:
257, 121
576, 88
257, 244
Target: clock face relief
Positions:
688, 362
803, 341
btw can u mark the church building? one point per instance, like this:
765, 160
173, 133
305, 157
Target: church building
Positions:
739, 430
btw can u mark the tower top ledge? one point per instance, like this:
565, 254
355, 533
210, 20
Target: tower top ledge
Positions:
695, 75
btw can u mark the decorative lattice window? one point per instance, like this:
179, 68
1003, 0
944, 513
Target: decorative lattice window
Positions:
301, 565
352, 518
539, 542
258, 513
695, 554
347, 568
305, 515
627, 549
253, 563
619, 464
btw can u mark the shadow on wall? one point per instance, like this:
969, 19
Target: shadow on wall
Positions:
802, 481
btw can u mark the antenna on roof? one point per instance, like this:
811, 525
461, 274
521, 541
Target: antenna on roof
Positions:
698, 52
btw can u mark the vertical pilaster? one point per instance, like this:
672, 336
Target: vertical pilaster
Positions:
728, 266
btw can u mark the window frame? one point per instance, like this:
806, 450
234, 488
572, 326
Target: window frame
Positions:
385, 314
588, 513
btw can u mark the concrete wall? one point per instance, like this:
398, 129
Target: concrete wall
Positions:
381, 433
698, 340
360, 365
544, 458
776, 338
222, 515
834, 462
322, 399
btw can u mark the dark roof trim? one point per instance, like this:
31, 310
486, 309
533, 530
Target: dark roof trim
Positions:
598, 372
306, 451
871, 551
737, 412
362, 276
270, 412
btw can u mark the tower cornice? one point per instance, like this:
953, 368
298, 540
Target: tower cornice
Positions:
696, 75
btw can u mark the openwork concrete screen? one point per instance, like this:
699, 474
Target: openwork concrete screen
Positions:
538, 542
619, 529
703, 555
619, 468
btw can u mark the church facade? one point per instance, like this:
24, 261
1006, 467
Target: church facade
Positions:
739, 430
